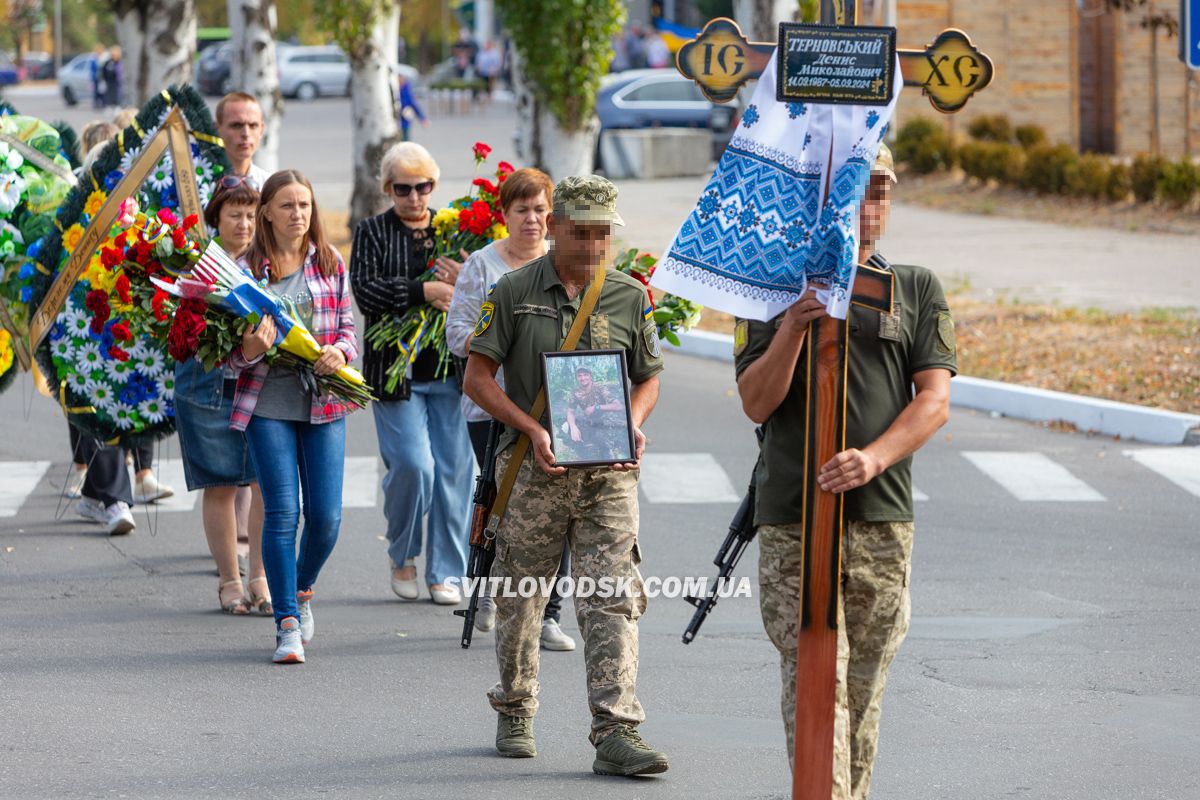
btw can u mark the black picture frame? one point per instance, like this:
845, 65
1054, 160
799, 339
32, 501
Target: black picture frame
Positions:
850, 65
604, 440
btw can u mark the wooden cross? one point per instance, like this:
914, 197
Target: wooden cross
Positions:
949, 71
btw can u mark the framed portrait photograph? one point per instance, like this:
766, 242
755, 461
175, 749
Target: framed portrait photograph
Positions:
587, 398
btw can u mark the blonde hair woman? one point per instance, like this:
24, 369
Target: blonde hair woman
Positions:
422, 434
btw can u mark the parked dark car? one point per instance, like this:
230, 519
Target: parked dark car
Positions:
652, 98
213, 68
724, 121
10, 73
38, 66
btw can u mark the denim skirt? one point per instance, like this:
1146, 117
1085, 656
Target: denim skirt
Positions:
213, 454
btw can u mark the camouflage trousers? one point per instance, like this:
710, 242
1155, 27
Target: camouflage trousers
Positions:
872, 621
596, 512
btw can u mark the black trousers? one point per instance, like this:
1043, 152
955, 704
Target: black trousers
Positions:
107, 478
478, 431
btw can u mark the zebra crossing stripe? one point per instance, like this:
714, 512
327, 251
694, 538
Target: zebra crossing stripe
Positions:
18, 479
685, 478
1032, 476
918, 495
360, 482
1179, 465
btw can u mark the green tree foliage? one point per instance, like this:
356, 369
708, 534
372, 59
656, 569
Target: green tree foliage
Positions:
350, 23
565, 47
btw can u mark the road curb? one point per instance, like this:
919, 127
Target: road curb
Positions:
1090, 414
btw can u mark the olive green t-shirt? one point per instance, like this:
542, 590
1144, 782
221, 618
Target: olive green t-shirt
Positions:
528, 313
884, 355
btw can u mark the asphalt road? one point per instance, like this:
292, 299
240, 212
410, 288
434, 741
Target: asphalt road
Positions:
1052, 652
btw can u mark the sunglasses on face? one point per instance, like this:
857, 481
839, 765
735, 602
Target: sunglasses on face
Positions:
405, 189
233, 181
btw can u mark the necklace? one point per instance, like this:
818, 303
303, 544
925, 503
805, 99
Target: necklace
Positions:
414, 220
524, 258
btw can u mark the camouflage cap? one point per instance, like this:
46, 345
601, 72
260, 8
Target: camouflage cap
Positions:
587, 199
884, 163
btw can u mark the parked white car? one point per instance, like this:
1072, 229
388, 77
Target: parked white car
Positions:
307, 73
75, 80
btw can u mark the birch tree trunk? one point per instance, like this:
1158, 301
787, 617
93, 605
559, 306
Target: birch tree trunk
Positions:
759, 19
252, 27
372, 112
158, 43
543, 143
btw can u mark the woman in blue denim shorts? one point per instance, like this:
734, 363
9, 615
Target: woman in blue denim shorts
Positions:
215, 458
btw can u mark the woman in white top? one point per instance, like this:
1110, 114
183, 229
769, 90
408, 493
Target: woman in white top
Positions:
526, 201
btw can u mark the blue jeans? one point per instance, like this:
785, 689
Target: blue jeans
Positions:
291, 458
427, 454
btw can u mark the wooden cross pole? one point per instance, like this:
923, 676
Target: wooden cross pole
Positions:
949, 71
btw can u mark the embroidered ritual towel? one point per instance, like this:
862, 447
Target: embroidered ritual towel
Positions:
764, 227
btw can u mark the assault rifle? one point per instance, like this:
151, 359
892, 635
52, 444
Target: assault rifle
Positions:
741, 533
483, 545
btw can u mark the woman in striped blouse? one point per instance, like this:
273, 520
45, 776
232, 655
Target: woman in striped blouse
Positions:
422, 433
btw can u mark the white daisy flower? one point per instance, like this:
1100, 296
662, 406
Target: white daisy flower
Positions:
166, 386
76, 381
75, 321
138, 351
162, 176
123, 415
102, 396
204, 169
63, 349
119, 371
88, 357
151, 363
127, 160
153, 410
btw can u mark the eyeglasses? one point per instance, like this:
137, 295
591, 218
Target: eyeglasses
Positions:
233, 181
405, 189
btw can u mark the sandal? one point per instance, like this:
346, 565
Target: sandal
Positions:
238, 606
260, 603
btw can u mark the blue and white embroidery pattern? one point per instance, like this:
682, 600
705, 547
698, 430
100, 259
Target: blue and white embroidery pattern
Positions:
780, 210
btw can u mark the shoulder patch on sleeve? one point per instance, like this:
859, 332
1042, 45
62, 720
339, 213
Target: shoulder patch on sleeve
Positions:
650, 340
945, 332
486, 312
741, 336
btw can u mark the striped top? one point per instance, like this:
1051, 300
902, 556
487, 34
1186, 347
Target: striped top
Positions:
386, 259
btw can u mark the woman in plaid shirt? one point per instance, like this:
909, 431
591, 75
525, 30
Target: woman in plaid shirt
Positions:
297, 438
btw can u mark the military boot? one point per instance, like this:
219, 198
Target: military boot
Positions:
624, 753
514, 737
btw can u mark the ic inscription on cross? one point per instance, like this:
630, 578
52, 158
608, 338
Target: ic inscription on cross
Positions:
949, 71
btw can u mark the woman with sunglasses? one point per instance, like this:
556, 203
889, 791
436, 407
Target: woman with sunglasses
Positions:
422, 434
297, 437
216, 459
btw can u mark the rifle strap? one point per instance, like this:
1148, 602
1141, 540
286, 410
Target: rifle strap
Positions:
521, 448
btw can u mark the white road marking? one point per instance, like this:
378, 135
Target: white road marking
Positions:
360, 482
1179, 465
18, 479
1032, 477
918, 495
685, 478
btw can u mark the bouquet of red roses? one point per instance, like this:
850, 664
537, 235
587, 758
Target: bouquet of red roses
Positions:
469, 223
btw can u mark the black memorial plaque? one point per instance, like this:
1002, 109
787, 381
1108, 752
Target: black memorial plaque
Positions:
835, 64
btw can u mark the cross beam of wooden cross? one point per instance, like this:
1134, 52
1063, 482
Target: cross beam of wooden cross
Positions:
949, 71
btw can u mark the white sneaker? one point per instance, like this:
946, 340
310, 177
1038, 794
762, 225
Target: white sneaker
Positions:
308, 625
485, 615
74, 487
405, 590
91, 510
148, 489
553, 637
446, 596
288, 647
118, 519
